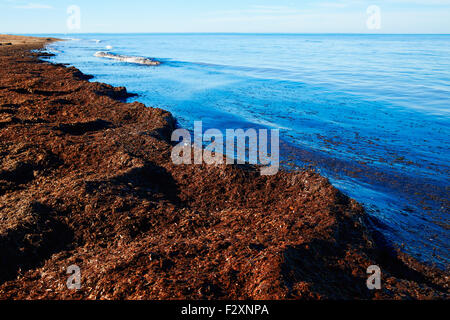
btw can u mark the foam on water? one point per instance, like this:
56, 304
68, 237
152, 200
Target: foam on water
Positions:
129, 59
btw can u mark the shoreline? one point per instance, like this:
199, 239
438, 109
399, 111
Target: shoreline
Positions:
86, 179
406, 198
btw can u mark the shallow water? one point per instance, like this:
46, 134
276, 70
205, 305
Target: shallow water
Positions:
370, 112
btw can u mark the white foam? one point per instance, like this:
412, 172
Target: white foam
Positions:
108, 47
130, 59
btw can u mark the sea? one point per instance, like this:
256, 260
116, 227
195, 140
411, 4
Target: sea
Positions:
369, 112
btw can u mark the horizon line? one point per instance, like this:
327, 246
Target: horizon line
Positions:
227, 33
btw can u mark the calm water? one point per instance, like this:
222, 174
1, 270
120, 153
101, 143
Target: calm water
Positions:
370, 112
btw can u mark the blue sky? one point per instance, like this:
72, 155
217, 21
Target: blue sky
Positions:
281, 16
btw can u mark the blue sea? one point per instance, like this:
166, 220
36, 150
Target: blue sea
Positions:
370, 112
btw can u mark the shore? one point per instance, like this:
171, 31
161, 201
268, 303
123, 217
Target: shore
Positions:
86, 179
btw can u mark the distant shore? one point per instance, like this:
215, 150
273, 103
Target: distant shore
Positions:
86, 179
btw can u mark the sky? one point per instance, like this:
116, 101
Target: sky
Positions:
241, 16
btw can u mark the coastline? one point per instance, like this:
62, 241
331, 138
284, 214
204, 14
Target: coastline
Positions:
86, 179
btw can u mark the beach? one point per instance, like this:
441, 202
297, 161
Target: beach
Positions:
86, 179
377, 133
